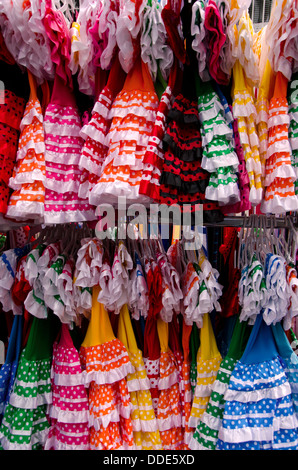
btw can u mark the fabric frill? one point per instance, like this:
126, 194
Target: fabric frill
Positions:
169, 408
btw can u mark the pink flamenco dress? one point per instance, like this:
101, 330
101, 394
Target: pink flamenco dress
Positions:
145, 427
106, 365
69, 410
63, 146
169, 409
27, 180
132, 115
280, 175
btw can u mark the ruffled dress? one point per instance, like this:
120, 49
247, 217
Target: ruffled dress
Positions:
169, 408
206, 434
259, 412
154, 155
145, 425
155, 49
208, 363
151, 341
280, 194
28, 178
288, 359
8, 370
12, 108
219, 156
245, 112
63, 146
183, 181
216, 39
106, 365
265, 92
68, 412
94, 133
292, 98
25, 424
132, 117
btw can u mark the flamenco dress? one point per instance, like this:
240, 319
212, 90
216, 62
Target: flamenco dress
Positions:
106, 364
259, 412
25, 424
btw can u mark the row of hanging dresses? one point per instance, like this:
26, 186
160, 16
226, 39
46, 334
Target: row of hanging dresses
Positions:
117, 377
101, 118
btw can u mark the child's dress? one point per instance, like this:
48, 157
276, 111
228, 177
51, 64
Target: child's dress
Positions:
25, 424
28, 179
132, 117
68, 413
259, 412
169, 409
280, 176
208, 363
145, 426
106, 364
63, 146
206, 433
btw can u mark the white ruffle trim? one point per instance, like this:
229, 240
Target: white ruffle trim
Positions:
56, 217
107, 377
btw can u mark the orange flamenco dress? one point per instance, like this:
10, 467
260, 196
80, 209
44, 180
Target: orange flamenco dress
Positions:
106, 364
144, 422
280, 176
132, 115
27, 180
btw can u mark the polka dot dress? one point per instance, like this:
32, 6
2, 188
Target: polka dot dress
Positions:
63, 146
25, 422
27, 181
105, 362
206, 434
259, 411
280, 194
132, 117
208, 363
169, 409
68, 412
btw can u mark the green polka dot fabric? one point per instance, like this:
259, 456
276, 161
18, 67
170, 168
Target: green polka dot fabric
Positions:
219, 156
25, 424
293, 127
206, 433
